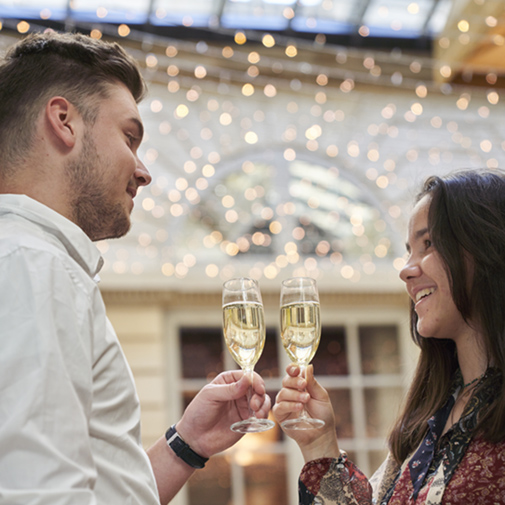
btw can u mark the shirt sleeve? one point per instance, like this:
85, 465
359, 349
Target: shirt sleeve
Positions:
333, 482
45, 382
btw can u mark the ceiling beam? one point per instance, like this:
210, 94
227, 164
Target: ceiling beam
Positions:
149, 12
360, 14
220, 11
295, 9
433, 8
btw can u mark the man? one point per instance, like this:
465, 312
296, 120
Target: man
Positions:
69, 172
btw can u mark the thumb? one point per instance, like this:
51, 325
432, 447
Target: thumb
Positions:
228, 392
315, 390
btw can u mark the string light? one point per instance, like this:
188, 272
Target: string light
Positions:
302, 232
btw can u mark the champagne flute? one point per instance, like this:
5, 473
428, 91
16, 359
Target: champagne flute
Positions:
244, 334
300, 334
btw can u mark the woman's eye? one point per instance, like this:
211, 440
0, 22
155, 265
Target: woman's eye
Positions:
427, 243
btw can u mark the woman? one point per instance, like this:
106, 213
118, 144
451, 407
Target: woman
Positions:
448, 444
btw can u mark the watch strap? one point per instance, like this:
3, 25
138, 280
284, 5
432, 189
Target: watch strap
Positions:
183, 450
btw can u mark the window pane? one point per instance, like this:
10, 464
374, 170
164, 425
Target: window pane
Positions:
341, 401
266, 480
331, 357
376, 459
379, 349
202, 352
187, 397
211, 485
381, 407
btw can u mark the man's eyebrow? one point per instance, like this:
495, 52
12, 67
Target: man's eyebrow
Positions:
417, 235
139, 125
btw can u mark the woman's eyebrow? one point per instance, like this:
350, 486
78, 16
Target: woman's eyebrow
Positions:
417, 235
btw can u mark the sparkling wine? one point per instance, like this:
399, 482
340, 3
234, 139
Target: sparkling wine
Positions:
301, 330
244, 332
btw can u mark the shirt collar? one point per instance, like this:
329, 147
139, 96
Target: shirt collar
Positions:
78, 245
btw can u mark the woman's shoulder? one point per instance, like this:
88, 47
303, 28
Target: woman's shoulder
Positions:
483, 450
482, 470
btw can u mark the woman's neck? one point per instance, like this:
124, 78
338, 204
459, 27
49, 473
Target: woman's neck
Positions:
472, 358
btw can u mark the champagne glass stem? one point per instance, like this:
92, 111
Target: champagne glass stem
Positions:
303, 414
252, 423
249, 373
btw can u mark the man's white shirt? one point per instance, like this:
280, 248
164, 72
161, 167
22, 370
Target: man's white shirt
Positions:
69, 411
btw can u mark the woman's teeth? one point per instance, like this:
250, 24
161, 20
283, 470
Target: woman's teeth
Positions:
423, 293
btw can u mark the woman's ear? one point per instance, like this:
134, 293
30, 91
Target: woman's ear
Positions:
62, 118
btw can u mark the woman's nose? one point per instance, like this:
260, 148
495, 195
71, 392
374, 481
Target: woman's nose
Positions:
410, 270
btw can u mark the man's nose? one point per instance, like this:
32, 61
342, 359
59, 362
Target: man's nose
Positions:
142, 175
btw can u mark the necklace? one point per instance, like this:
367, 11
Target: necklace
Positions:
473, 382
462, 394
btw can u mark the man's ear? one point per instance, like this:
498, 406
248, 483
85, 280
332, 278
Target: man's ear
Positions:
62, 118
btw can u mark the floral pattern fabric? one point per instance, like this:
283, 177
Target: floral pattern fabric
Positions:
478, 479
463, 470
328, 481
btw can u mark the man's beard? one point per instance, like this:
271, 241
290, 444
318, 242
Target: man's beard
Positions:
92, 210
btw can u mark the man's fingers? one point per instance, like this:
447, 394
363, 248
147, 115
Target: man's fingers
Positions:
242, 380
261, 405
227, 392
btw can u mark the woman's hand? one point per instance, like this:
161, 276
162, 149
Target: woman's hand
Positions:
297, 392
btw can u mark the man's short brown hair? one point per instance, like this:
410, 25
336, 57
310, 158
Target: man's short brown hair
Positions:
48, 64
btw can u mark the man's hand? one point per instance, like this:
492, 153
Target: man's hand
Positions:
205, 424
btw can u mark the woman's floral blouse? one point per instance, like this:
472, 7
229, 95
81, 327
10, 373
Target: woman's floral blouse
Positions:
462, 470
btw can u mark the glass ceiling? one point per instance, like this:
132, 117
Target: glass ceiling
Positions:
315, 212
367, 18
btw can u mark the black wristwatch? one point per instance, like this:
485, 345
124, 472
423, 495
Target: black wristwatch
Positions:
183, 450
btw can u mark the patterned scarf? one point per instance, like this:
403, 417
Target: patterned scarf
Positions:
448, 450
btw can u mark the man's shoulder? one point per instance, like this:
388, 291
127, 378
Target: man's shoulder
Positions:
17, 234
29, 251
28, 224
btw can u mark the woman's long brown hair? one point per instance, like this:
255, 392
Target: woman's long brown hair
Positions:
466, 221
